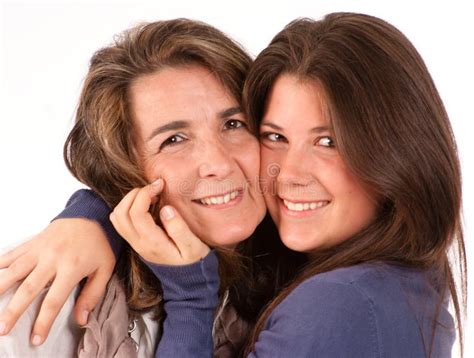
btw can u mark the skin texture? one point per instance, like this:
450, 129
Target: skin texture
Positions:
213, 153
301, 164
67, 251
174, 244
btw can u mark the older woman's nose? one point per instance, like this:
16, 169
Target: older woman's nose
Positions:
215, 161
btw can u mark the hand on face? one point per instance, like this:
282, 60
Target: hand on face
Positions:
191, 132
67, 251
175, 244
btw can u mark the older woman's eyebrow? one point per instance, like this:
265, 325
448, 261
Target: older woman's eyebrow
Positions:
171, 126
229, 112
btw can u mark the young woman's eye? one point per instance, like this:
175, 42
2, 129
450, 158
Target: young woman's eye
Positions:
326, 142
272, 137
173, 140
234, 124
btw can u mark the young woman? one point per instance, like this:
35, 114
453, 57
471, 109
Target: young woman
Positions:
361, 175
365, 181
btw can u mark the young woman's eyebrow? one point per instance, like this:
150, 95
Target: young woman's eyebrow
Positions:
319, 129
171, 126
271, 125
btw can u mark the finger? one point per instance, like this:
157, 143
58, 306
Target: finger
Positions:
177, 229
141, 218
156, 189
90, 295
7, 258
17, 270
52, 304
26, 293
144, 198
124, 206
120, 217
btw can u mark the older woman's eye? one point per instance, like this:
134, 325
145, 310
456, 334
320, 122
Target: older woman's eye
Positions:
326, 142
173, 140
234, 124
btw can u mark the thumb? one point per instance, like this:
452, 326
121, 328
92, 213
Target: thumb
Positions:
191, 248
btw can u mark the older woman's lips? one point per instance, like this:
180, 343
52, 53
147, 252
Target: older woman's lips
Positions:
221, 201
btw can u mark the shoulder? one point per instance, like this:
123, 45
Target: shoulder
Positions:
357, 284
368, 309
366, 283
328, 314
339, 293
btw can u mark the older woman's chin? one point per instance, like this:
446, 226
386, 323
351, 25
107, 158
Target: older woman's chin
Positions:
227, 236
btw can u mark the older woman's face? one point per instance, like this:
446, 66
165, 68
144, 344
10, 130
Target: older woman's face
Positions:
192, 133
312, 196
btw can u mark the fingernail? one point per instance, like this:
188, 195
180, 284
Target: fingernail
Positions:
85, 316
3, 328
36, 341
157, 184
167, 212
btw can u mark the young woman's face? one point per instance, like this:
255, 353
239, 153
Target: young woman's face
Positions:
192, 133
315, 201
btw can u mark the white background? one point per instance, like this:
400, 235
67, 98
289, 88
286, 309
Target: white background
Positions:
44, 53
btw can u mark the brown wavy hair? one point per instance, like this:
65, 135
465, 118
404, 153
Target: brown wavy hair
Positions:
100, 150
393, 132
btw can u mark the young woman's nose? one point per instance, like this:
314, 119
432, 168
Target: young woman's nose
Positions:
294, 168
215, 161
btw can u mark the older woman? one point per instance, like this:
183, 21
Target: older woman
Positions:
161, 105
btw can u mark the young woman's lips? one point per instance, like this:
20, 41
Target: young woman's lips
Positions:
220, 202
302, 209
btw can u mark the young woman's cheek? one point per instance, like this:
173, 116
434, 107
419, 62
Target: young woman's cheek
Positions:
269, 168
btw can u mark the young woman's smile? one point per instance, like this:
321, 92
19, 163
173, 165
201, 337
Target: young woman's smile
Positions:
310, 193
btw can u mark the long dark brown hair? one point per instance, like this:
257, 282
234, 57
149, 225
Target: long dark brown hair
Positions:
392, 131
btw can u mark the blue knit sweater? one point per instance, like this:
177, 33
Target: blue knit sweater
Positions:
368, 310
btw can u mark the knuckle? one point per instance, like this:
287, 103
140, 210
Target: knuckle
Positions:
29, 288
118, 212
15, 269
178, 227
9, 315
52, 305
134, 212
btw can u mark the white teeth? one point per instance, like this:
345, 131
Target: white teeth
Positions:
304, 206
219, 199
